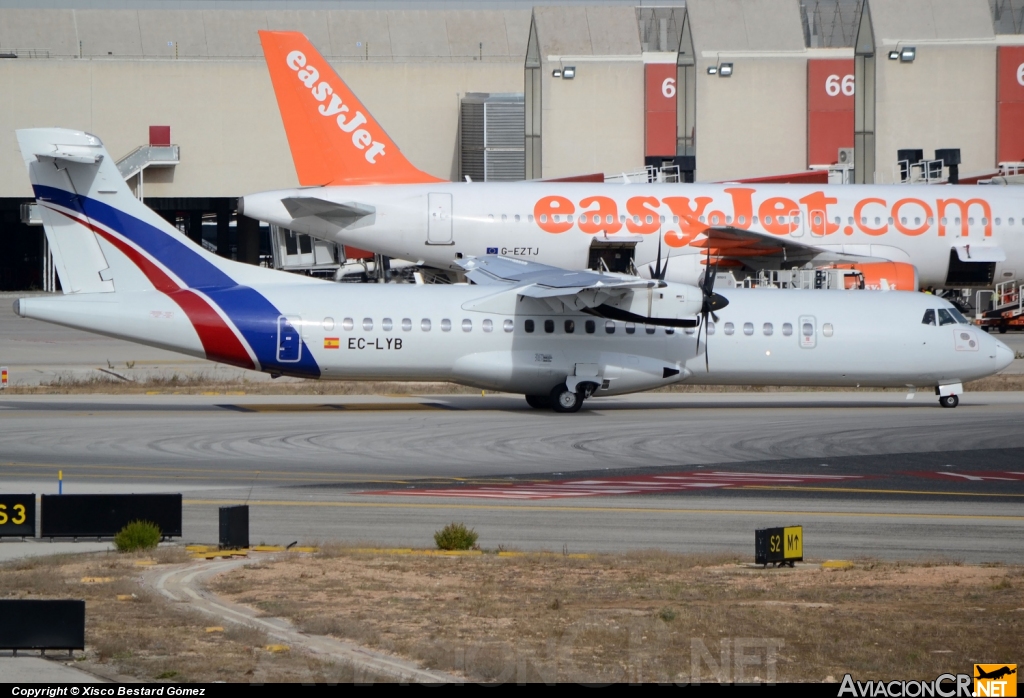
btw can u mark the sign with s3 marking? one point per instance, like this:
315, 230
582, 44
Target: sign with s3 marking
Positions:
17, 515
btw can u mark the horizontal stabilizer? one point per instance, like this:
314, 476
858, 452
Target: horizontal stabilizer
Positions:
344, 215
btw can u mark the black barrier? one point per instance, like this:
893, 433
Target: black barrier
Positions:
34, 624
234, 527
779, 546
18, 515
103, 515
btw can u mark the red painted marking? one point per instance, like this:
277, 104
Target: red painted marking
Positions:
643, 484
974, 476
219, 341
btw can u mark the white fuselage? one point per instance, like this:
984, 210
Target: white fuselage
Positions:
437, 223
478, 336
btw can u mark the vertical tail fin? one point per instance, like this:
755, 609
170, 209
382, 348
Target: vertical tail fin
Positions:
333, 138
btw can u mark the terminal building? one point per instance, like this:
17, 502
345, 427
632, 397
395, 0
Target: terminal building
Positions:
854, 91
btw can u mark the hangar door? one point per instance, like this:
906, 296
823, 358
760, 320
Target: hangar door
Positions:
829, 109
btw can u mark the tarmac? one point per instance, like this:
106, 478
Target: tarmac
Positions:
909, 480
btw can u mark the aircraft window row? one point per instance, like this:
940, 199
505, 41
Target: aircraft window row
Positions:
944, 316
589, 326
387, 325
768, 329
715, 219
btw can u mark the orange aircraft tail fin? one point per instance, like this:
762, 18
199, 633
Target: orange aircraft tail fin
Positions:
333, 138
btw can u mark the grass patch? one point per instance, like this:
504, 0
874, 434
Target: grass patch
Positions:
455, 536
137, 535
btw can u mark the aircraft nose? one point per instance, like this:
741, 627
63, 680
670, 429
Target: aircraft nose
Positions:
1004, 355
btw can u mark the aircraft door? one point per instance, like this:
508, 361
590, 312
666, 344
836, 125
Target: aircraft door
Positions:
808, 331
289, 340
439, 219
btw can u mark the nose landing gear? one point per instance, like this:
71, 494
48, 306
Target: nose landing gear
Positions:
949, 401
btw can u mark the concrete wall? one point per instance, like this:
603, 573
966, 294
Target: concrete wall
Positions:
595, 122
224, 116
946, 98
754, 123
421, 35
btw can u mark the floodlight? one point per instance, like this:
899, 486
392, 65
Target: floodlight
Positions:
894, 55
907, 54
725, 70
712, 70
556, 73
568, 72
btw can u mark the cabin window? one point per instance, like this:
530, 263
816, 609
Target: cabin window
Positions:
999, 221
649, 329
689, 331
487, 325
768, 329
517, 218
569, 218
530, 218
649, 219
583, 218
1009, 221
528, 326
729, 328
945, 318
929, 317
661, 219
767, 220
710, 329
630, 328
636, 219
425, 324
742, 220
970, 221
675, 219
543, 218
609, 327
609, 218
984, 220
787, 329
386, 324
556, 217
367, 323
808, 329
589, 326
504, 218
446, 325
549, 326
328, 323
826, 329
347, 324
890, 220
570, 326
669, 330
490, 216
748, 328
508, 325
467, 325
406, 324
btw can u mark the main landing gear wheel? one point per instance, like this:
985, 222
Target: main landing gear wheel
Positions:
564, 400
949, 401
539, 402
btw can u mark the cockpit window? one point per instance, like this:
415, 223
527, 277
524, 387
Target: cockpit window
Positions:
929, 317
959, 317
945, 318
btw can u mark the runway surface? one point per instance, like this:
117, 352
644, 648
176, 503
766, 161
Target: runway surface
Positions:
866, 474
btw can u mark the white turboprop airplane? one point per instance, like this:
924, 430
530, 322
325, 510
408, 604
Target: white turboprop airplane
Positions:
898, 237
553, 335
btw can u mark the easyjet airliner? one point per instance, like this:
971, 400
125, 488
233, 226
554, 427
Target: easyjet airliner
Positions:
358, 189
556, 336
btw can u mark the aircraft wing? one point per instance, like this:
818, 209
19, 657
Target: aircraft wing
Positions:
544, 281
625, 298
742, 246
345, 215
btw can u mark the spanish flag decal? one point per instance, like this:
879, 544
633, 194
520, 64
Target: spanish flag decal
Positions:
332, 343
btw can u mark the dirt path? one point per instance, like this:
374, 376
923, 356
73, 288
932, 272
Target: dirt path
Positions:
186, 584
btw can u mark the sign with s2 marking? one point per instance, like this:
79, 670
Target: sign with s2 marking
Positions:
18, 515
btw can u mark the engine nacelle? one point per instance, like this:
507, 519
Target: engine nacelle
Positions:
885, 276
672, 304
